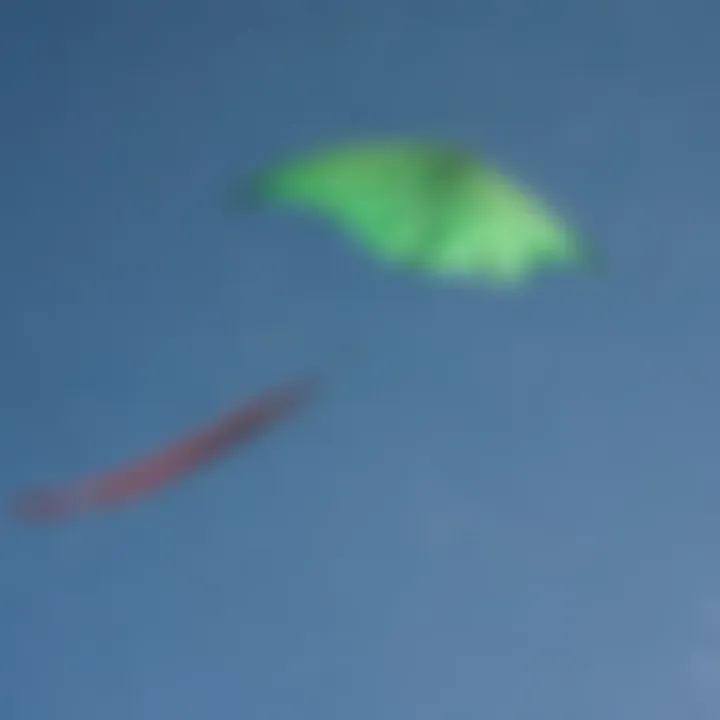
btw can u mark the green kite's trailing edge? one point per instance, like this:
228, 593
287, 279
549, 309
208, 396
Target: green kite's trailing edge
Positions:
429, 207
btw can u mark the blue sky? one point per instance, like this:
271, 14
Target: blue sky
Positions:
505, 506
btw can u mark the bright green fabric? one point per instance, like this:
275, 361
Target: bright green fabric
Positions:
428, 207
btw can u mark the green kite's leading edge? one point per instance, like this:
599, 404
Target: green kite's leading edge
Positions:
429, 207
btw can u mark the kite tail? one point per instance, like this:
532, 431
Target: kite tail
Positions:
169, 464
48, 505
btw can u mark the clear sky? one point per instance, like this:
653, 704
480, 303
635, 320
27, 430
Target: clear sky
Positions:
504, 507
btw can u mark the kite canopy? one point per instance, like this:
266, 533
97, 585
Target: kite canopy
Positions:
428, 207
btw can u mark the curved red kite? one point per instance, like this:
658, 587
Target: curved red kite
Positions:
168, 465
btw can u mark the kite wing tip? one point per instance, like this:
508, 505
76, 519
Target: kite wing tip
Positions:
247, 195
257, 189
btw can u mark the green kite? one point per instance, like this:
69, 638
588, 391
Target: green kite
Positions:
428, 207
